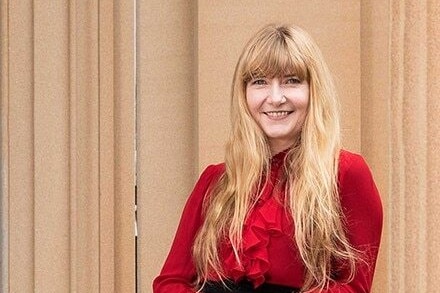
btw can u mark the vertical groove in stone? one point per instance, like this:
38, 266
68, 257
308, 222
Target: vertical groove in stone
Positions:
433, 143
124, 117
87, 153
414, 141
397, 208
73, 207
4, 147
106, 146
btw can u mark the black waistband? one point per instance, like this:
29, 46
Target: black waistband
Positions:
246, 287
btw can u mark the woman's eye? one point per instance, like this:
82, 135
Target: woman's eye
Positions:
293, 80
259, 81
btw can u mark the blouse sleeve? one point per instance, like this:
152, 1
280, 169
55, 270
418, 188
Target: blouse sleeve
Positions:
178, 271
362, 207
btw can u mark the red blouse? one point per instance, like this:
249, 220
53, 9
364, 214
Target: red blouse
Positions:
269, 255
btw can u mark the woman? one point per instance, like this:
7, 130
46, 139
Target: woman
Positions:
289, 210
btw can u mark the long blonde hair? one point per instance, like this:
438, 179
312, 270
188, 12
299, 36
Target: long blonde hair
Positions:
311, 165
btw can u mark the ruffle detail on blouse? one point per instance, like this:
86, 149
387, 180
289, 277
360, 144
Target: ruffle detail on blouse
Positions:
266, 221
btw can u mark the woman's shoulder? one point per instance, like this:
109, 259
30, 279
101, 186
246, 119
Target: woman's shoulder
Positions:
212, 173
213, 170
207, 179
353, 164
359, 194
348, 158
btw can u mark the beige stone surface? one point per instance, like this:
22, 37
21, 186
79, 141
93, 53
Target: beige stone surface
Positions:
67, 155
375, 117
166, 133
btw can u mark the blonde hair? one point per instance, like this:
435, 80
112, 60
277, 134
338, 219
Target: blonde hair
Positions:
311, 165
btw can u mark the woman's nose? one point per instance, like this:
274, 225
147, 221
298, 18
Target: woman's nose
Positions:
276, 95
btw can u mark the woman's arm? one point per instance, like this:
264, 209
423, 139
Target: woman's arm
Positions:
178, 272
362, 207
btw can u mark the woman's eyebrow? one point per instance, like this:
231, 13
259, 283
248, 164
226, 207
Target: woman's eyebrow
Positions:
290, 75
259, 75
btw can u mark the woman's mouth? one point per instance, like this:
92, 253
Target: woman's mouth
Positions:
277, 114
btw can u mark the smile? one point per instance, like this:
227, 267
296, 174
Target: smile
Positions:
277, 114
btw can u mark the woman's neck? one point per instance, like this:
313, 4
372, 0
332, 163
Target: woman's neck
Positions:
279, 147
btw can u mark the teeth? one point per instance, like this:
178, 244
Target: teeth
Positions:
278, 113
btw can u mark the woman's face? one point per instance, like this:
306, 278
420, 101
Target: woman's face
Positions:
279, 106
